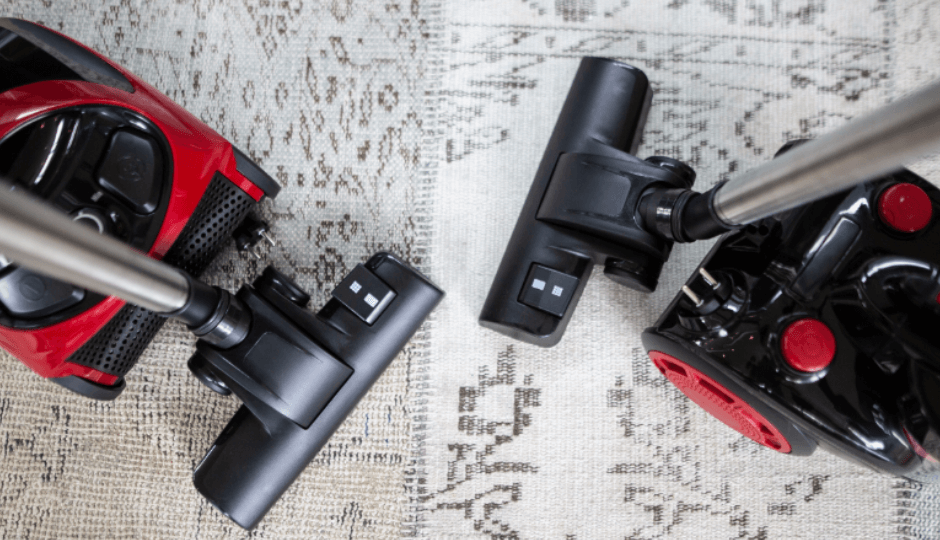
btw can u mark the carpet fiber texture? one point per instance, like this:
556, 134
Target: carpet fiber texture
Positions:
416, 127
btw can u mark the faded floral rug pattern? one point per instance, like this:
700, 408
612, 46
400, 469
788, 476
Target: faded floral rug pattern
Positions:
416, 127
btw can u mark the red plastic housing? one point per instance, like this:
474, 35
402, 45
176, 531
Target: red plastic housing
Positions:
198, 152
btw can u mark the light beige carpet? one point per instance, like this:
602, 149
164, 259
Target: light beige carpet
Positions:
417, 127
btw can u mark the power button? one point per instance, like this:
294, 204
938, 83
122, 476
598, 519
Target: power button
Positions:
548, 290
131, 170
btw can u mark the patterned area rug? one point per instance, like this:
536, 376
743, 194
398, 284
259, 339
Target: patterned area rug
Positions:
587, 440
329, 99
416, 128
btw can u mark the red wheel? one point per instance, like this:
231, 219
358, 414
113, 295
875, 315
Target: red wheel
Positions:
721, 403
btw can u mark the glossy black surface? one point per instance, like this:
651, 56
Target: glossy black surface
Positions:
876, 289
76, 158
130, 170
253, 172
364, 294
23, 63
548, 290
25, 293
30, 53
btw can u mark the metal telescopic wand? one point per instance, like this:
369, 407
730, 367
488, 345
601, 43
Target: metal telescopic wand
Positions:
863, 149
35, 235
38, 237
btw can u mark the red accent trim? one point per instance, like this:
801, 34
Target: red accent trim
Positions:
918, 449
198, 152
244, 183
905, 207
808, 345
721, 403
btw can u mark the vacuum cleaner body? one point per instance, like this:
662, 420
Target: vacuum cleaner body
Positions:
817, 327
117, 155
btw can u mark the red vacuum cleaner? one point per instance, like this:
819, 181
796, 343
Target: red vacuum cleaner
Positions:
118, 156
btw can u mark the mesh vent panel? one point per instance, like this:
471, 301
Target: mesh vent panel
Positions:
117, 346
222, 209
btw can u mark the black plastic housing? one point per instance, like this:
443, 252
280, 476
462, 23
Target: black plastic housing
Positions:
43, 55
583, 207
877, 289
299, 375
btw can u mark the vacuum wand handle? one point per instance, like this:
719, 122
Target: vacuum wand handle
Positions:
44, 240
863, 149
